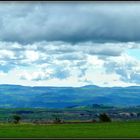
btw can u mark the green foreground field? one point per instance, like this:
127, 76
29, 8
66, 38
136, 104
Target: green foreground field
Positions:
89, 130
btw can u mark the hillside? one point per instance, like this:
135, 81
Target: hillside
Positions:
59, 97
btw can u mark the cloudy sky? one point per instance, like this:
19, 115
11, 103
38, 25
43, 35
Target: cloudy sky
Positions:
70, 43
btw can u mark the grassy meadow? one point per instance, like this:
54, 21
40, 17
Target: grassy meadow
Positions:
79, 130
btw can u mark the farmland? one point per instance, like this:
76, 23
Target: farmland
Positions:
81, 130
82, 122
83, 113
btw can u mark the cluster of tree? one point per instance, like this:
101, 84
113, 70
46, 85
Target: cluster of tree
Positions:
16, 118
102, 118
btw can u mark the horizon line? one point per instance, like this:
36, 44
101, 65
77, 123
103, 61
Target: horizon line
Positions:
71, 86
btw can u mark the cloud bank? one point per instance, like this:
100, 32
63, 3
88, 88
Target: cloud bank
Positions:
69, 22
73, 43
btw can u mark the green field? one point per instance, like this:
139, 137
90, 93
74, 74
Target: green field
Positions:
89, 130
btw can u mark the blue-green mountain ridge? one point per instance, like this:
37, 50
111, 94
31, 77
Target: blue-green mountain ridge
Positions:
17, 96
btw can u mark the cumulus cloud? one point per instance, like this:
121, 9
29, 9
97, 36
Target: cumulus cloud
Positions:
127, 67
58, 72
34, 76
61, 57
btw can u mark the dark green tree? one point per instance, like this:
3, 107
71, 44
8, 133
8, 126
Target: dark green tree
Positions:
104, 118
16, 119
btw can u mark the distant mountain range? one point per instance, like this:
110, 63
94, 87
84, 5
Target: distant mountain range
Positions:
16, 96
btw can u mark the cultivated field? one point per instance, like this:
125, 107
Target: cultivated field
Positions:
85, 130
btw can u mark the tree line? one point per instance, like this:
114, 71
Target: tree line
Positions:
103, 117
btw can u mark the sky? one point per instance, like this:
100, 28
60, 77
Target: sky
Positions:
70, 43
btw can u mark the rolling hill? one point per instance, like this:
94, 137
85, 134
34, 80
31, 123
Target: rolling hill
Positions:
17, 96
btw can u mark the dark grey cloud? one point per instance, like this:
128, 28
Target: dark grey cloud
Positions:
69, 22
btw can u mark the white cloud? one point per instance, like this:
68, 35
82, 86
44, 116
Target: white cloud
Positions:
34, 75
2, 74
7, 54
93, 60
31, 55
126, 66
87, 62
